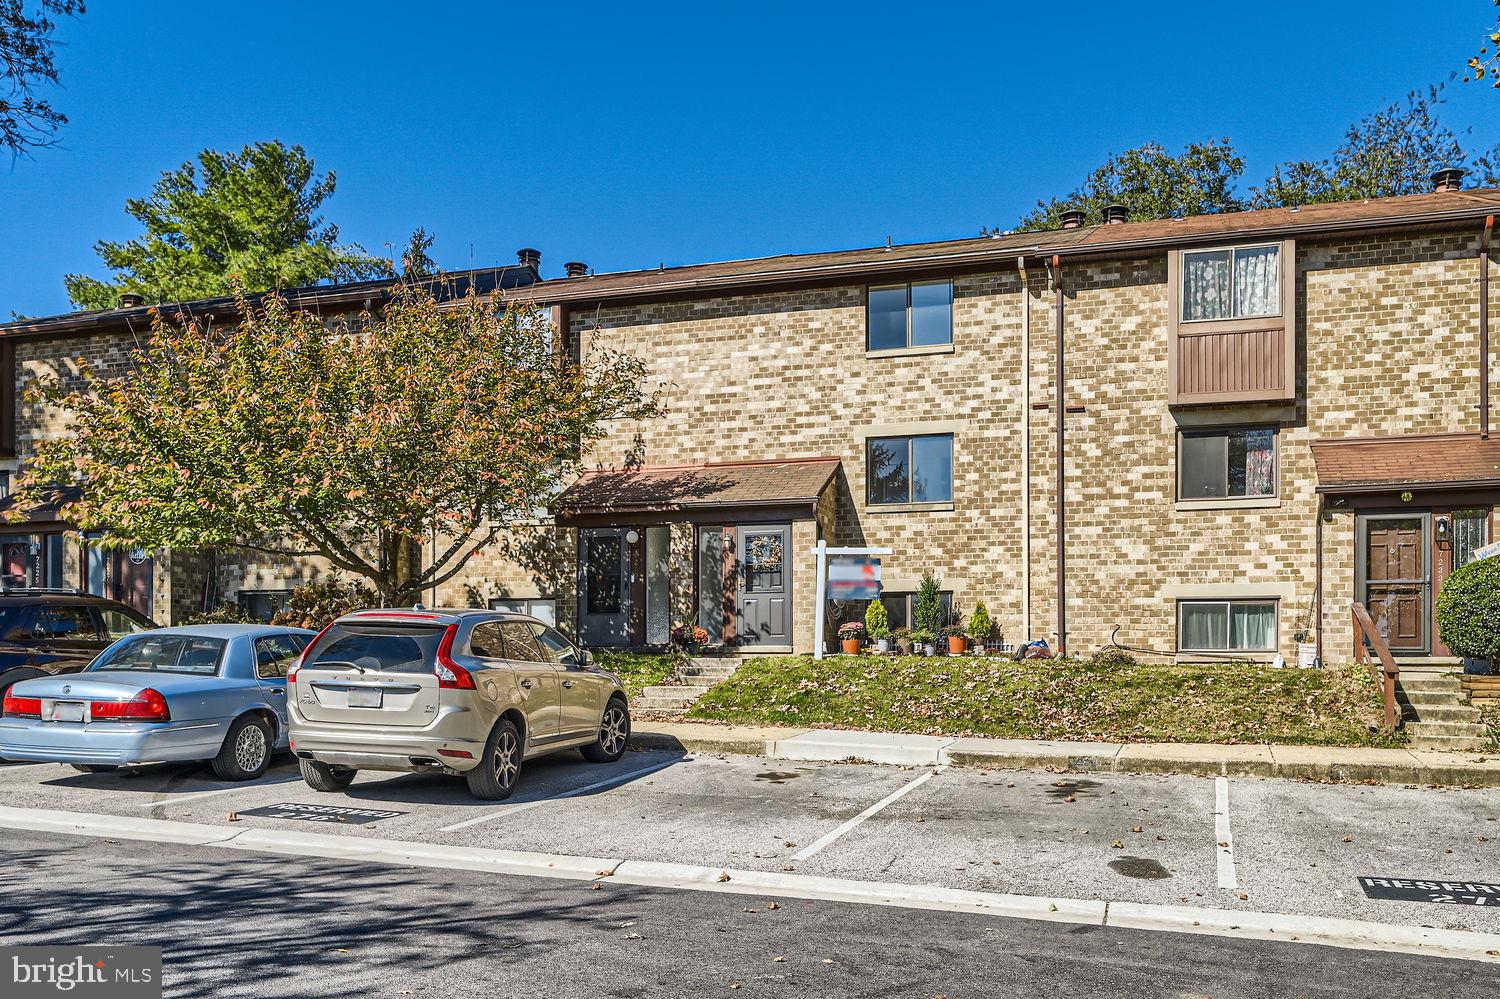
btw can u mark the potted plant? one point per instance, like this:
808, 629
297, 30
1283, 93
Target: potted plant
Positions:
689, 637
980, 627
878, 625
902, 638
957, 640
927, 615
926, 640
1468, 614
849, 636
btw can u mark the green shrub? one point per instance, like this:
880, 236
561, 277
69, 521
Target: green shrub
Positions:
316, 605
877, 620
225, 613
1468, 610
980, 624
928, 614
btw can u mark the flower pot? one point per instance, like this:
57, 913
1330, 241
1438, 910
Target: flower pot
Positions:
903, 645
957, 644
929, 649
1479, 667
851, 646
882, 645
979, 648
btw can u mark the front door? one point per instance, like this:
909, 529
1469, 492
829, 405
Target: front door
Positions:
764, 605
603, 587
1396, 581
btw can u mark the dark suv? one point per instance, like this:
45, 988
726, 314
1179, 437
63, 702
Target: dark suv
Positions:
44, 632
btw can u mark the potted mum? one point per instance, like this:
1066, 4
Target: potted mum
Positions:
878, 625
926, 640
849, 636
957, 640
980, 627
689, 637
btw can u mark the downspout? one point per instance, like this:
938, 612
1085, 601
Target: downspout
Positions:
1025, 450
1484, 328
1318, 578
1062, 502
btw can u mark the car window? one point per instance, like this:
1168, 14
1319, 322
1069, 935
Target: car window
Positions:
155, 653
65, 624
388, 648
485, 642
273, 654
117, 622
558, 648
521, 644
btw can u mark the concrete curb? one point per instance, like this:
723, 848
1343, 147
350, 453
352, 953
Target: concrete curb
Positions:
1283, 927
1319, 763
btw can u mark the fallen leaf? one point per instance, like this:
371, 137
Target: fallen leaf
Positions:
597, 887
788, 844
1118, 844
773, 905
1348, 839
1244, 897
1137, 829
633, 936
827, 960
778, 960
723, 876
1070, 798
232, 817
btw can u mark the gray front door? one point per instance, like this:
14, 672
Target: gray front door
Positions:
603, 587
765, 585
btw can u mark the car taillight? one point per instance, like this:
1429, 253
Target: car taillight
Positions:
22, 707
148, 705
449, 673
291, 674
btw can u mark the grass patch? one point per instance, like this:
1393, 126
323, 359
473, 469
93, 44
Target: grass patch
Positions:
1040, 699
1489, 715
637, 670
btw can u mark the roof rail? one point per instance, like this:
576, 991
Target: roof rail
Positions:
73, 591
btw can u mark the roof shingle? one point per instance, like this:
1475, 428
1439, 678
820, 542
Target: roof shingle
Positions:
1450, 460
682, 487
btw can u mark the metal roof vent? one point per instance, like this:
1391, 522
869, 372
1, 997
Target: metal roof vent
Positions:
130, 300
576, 268
1072, 219
1448, 179
1116, 214
529, 257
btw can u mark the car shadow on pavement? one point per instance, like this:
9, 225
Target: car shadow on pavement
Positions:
172, 778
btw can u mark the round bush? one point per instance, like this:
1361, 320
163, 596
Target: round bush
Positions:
1468, 610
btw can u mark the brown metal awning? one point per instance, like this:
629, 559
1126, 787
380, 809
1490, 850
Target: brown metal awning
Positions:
1431, 461
790, 487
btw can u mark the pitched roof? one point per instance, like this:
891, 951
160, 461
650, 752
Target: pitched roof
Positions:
1433, 460
685, 487
1415, 209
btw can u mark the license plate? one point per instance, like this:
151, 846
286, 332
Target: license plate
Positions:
364, 698
67, 711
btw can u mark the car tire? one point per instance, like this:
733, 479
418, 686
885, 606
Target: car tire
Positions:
93, 768
246, 752
614, 733
499, 770
326, 777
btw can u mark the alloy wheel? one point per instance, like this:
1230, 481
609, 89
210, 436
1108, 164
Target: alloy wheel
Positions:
506, 764
250, 748
612, 734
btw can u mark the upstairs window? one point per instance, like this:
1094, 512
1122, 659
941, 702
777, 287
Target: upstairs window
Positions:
919, 314
1215, 464
1241, 282
910, 469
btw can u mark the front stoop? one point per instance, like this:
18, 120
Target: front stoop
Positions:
694, 678
1438, 715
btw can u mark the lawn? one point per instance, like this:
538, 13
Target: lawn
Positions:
636, 670
1042, 699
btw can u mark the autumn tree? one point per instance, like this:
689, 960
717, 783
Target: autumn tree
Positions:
27, 62
1485, 64
357, 441
247, 219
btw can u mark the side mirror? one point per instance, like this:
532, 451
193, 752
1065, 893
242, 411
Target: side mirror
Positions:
586, 659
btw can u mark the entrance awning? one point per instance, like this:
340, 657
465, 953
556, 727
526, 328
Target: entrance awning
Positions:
1429, 462
789, 488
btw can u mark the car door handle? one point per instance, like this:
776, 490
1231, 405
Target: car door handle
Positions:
278, 690
568, 684
526, 684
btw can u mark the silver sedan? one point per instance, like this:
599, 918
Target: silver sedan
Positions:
202, 692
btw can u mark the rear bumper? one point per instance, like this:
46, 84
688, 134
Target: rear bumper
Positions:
395, 749
110, 743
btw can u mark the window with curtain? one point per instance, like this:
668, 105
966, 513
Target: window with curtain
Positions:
1241, 282
1226, 626
1226, 463
1470, 533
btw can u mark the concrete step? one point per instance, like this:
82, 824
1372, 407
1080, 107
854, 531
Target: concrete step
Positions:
716, 672
1449, 744
1444, 713
1430, 696
1445, 728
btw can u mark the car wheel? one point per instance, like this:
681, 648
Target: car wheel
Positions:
246, 752
325, 777
614, 734
500, 768
93, 768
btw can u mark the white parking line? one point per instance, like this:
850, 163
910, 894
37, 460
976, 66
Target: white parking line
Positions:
521, 806
1223, 838
823, 841
179, 798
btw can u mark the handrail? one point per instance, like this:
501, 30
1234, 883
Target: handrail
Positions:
1365, 630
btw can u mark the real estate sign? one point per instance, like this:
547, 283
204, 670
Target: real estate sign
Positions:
853, 578
1487, 551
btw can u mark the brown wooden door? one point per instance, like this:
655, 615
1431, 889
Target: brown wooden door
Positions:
1396, 580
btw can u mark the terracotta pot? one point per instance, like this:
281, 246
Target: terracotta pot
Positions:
956, 644
851, 646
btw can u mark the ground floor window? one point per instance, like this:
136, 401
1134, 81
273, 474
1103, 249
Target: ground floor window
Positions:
262, 605
1470, 533
1226, 626
900, 608
544, 609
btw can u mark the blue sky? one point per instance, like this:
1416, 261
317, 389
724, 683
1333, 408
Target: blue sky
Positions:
626, 135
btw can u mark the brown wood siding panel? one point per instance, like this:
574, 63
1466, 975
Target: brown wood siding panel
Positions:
1250, 364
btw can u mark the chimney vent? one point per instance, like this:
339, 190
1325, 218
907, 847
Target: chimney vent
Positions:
1449, 179
576, 268
130, 300
529, 257
1072, 219
1116, 214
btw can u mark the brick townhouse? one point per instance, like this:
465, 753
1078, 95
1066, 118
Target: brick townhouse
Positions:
1257, 418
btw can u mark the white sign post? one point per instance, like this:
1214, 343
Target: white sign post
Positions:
821, 615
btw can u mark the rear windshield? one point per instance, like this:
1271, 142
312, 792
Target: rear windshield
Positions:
164, 654
385, 648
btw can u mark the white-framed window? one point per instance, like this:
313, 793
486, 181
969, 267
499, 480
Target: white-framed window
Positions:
915, 469
916, 314
1226, 626
1471, 531
544, 609
1236, 282
1222, 462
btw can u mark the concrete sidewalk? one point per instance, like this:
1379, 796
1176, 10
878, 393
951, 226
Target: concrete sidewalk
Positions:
1386, 766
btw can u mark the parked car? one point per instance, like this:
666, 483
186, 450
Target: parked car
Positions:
44, 632
472, 693
203, 692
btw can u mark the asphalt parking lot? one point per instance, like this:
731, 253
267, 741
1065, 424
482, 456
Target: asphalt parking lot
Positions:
1262, 845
